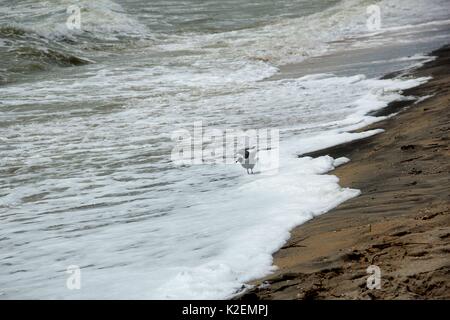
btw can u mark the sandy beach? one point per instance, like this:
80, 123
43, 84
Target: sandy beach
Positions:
401, 220
170, 151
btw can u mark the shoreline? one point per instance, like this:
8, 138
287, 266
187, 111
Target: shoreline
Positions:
401, 220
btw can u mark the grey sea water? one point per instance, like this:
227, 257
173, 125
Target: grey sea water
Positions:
87, 118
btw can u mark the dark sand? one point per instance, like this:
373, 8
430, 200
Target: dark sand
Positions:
400, 222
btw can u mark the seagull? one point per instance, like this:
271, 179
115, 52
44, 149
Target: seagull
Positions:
247, 158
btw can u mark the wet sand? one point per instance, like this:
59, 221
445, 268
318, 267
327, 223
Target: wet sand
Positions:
400, 222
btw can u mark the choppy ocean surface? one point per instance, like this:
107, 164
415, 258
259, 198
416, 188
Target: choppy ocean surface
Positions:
87, 118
